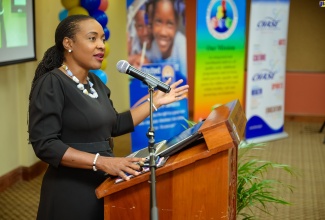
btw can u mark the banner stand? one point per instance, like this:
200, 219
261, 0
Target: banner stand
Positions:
266, 138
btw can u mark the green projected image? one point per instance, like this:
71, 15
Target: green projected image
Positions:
13, 23
17, 32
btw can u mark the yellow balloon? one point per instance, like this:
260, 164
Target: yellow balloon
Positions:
68, 4
78, 10
104, 64
106, 49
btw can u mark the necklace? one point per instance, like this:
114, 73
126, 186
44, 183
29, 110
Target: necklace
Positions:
93, 94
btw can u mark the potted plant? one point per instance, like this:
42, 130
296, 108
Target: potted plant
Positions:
254, 191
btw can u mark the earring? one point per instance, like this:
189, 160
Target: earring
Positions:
69, 50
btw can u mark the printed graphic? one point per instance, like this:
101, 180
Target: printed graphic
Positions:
266, 70
222, 18
157, 46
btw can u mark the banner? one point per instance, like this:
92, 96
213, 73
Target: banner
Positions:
220, 54
266, 70
157, 45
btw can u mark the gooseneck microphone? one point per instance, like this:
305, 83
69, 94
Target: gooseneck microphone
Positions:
124, 67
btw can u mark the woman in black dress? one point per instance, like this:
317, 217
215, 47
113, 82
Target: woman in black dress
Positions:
71, 119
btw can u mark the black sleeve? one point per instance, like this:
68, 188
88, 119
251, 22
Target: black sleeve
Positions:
45, 121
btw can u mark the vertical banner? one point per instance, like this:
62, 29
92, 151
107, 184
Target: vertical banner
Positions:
157, 45
220, 54
266, 70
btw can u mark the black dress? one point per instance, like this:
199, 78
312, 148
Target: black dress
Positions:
60, 115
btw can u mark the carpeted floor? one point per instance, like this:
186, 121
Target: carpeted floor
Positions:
303, 150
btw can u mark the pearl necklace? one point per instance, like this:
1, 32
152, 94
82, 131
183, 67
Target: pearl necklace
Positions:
93, 94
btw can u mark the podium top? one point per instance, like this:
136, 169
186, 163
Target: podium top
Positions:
231, 115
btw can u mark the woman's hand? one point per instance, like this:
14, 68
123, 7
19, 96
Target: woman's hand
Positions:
119, 166
176, 94
140, 109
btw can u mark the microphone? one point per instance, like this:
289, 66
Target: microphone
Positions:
124, 67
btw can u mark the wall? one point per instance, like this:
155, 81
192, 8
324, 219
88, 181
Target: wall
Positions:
305, 78
305, 94
15, 82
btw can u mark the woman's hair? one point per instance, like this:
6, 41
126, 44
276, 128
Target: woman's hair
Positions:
54, 56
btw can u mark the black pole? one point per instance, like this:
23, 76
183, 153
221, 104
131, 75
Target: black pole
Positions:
152, 160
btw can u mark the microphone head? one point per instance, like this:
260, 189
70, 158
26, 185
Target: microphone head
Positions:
122, 66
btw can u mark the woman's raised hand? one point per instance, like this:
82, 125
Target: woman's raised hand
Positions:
175, 94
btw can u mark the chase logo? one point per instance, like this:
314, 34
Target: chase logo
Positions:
267, 23
322, 4
264, 74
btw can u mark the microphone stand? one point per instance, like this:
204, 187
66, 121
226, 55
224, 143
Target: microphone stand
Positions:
152, 158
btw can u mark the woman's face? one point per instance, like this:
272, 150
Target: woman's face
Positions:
88, 45
164, 27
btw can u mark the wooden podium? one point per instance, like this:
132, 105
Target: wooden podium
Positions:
197, 183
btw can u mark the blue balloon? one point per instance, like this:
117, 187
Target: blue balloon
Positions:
107, 33
101, 75
90, 5
100, 16
63, 14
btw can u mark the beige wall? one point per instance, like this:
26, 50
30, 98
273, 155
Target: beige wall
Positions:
15, 81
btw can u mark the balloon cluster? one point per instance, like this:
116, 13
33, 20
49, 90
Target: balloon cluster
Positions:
95, 9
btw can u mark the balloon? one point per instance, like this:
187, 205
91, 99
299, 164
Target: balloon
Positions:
100, 16
107, 33
103, 5
63, 14
104, 64
68, 4
78, 11
90, 5
101, 75
106, 49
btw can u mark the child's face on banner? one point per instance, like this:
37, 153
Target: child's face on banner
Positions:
164, 27
142, 29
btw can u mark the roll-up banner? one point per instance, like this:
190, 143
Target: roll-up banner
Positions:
220, 54
266, 70
157, 45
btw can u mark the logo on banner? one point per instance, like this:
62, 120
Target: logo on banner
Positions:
168, 72
222, 18
268, 23
322, 4
264, 74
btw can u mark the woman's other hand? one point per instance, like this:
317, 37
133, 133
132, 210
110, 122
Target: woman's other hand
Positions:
120, 166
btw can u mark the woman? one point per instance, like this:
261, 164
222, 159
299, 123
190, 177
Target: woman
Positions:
71, 119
